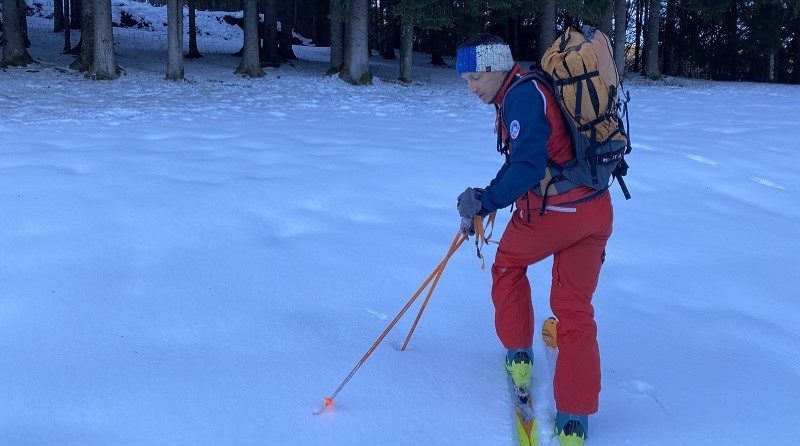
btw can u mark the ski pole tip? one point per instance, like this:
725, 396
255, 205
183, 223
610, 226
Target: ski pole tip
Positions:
326, 403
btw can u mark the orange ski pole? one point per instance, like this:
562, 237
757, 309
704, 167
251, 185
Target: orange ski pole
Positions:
328, 400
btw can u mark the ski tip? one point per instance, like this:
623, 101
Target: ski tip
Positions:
549, 332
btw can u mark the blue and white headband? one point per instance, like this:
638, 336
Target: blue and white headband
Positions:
485, 57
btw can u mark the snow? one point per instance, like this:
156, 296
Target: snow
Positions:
201, 262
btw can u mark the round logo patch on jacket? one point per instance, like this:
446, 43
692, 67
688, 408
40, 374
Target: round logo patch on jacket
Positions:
513, 129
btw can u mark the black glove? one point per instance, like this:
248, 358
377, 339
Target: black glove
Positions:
469, 202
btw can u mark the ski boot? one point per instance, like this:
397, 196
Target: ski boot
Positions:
571, 430
519, 363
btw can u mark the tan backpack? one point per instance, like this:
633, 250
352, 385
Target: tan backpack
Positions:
579, 69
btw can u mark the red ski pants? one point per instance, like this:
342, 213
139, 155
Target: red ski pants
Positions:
576, 238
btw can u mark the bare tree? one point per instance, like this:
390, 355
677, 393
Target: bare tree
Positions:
337, 35
175, 40
406, 52
547, 30
104, 66
620, 28
653, 19
249, 66
270, 57
85, 47
355, 69
193, 53
15, 53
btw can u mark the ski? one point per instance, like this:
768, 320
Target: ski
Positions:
527, 428
524, 418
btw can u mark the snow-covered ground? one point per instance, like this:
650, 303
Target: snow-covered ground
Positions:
201, 262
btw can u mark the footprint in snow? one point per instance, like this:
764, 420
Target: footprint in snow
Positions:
377, 315
645, 148
767, 183
636, 387
702, 159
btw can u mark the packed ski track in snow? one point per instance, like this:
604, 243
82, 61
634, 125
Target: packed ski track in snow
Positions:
201, 262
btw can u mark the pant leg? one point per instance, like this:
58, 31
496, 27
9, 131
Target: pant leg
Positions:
524, 243
576, 270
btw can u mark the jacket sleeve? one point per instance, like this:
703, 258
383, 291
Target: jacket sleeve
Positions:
526, 123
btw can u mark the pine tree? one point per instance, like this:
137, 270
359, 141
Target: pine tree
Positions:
104, 66
249, 65
15, 53
355, 68
194, 52
406, 52
653, 21
175, 40
620, 31
547, 28
337, 14
58, 16
85, 47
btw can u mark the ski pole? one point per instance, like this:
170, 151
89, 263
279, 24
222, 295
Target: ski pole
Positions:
480, 237
436, 273
439, 270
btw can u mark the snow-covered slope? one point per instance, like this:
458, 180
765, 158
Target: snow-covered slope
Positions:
202, 262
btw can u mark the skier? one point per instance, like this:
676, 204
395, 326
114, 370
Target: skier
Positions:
574, 227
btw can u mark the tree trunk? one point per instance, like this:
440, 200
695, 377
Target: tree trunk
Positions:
670, 34
105, 65
76, 14
193, 53
287, 27
249, 66
85, 47
730, 63
22, 7
355, 69
387, 35
269, 52
771, 69
637, 59
653, 20
337, 36
620, 28
15, 53
437, 48
547, 27
606, 17
406, 52
58, 15
796, 67
67, 29
175, 40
